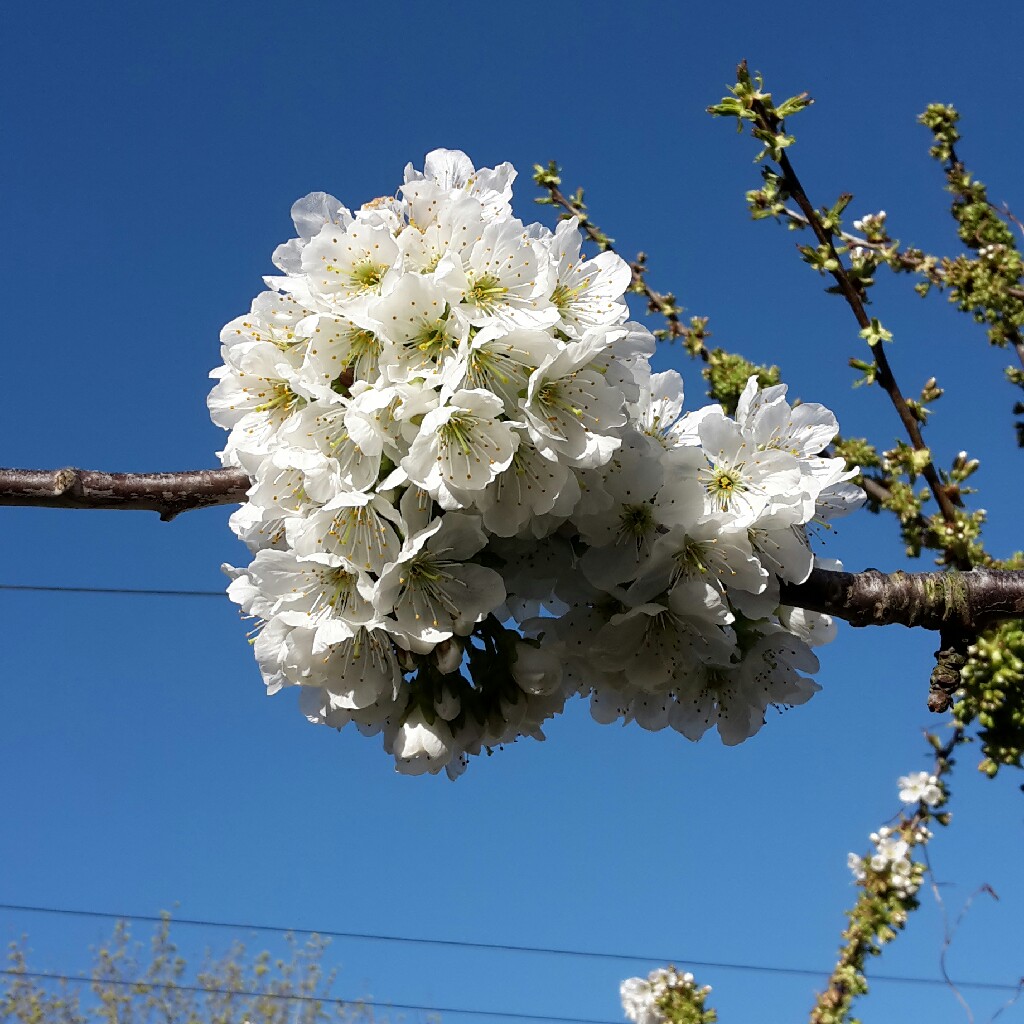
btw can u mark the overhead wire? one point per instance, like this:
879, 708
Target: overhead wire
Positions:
500, 947
136, 591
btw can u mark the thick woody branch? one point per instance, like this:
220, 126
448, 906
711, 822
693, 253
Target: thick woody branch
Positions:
937, 601
166, 493
930, 600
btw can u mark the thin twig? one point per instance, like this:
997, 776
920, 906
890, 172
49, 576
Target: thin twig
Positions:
1009, 1002
1010, 216
907, 258
885, 376
877, 491
948, 931
657, 302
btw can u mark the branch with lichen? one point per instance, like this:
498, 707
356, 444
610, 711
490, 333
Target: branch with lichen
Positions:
935, 601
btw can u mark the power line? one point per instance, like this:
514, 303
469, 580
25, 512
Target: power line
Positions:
494, 946
138, 592
299, 997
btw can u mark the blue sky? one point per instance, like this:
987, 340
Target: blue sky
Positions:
151, 154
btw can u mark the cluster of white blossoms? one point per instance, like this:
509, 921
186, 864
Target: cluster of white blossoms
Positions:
641, 996
891, 865
471, 498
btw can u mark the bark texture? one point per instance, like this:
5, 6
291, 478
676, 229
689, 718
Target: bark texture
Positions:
930, 600
166, 493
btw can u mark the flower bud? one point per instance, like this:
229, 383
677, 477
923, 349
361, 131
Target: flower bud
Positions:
538, 671
447, 656
448, 704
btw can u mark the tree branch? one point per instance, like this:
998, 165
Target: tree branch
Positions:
936, 600
930, 600
874, 920
885, 376
663, 303
166, 493
914, 261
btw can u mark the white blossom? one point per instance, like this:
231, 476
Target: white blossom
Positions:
354, 263
570, 411
431, 589
461, 447
420, 746
586, 293
638, 995
921, 787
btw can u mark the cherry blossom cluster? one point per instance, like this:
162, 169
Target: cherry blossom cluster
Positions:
472, 499
661, 995
891, 867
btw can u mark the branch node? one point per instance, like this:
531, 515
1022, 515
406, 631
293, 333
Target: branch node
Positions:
950, 660
67, 481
